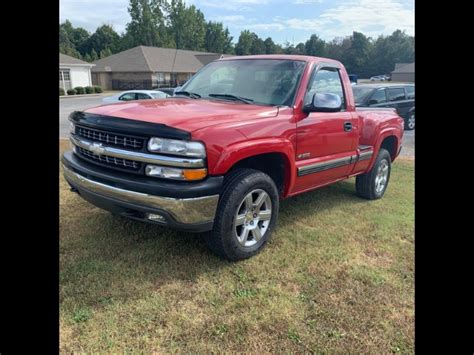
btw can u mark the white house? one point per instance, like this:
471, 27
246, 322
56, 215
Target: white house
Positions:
73, 72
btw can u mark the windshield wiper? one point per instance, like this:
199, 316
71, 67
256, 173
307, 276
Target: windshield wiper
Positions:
192, 95
237, 98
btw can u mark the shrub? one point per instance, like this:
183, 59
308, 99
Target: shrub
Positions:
97, 89
79, 90
71, 92
61, 92
89, 90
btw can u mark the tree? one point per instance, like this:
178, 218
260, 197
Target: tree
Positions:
315, 46
94, 55
104, 38
244, 45
73, 38
65, 44
105, 53
258, 45
356, 57
271, 47
187, 26
147, 25
290, 49
388, 50
218, 39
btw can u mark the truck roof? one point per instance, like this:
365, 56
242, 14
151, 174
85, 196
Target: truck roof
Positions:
305, 58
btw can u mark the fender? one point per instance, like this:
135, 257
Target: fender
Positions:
384, 133
237, 152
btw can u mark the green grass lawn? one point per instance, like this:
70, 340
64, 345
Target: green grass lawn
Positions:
337, 277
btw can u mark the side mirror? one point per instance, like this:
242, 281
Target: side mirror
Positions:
373, 102
324, 103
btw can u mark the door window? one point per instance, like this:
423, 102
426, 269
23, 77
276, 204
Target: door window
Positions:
327, 81
396, 94
127, 97
378, 97
141, 96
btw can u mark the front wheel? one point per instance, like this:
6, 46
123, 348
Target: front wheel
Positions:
410, 122
246, 215
372, 185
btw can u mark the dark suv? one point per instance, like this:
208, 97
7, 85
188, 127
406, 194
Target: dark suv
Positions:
399, 96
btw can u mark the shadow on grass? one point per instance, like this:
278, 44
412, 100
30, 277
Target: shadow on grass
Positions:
106, 257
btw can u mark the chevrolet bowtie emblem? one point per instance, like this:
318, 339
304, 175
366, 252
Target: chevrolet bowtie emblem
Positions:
97, 148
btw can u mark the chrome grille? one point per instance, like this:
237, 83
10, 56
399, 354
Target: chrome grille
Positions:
113, 139
110, 161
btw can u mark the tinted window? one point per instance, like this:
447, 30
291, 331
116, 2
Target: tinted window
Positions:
378, 97
396, 94
141, 96
410, 92
325, 81
127, 97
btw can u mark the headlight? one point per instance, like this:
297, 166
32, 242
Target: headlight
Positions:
175, 173
177, 147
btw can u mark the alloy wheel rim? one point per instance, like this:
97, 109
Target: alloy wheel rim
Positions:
252, 217
382, 176
411, 121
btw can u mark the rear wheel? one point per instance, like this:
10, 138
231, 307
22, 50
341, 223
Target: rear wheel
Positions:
372, 185
246, 215
410, 121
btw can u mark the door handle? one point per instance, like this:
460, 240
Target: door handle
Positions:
347, 126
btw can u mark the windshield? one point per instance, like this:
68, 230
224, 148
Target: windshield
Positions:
261, 81
360, 93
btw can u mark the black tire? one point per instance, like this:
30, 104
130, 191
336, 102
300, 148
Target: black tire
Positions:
366, 183
222, 240
410, 121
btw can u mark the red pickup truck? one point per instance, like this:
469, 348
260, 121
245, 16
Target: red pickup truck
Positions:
242, 134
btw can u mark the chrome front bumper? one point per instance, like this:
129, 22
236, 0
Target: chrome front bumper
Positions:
185, 211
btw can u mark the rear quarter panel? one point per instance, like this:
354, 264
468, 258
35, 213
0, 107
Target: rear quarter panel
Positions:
375, 127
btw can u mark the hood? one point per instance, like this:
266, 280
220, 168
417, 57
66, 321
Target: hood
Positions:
186, 114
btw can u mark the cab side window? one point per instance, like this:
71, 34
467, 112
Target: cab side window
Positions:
327, 81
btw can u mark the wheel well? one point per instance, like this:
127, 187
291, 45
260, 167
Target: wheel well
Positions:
390, 144
273, 164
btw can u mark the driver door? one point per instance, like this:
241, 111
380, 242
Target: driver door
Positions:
326, 141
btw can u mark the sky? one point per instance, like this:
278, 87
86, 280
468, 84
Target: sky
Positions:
283, 20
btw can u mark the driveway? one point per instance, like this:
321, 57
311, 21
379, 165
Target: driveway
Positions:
408, 149
66, 106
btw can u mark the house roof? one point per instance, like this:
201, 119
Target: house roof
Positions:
155, 59
68, 60
404, 68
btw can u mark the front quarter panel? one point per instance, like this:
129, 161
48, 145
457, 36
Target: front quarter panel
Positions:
229, 144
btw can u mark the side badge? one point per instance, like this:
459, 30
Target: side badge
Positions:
303, 155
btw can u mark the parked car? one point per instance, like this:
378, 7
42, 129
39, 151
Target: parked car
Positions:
170, 91
378, 78
398, 96
220, 161
132, 95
